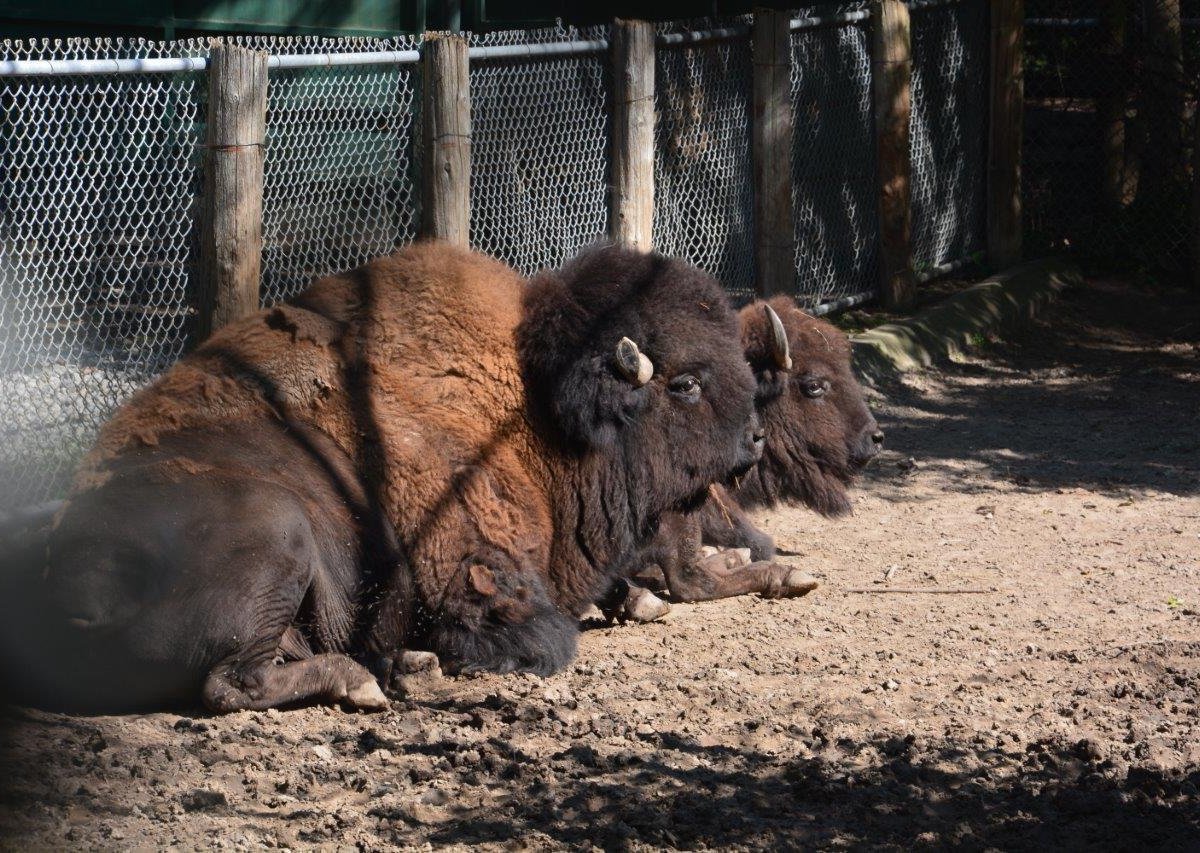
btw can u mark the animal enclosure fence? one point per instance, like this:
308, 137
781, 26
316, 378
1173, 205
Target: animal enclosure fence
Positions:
102, 153
1111, 88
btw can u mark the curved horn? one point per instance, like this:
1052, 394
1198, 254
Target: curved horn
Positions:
633, 364
780, 351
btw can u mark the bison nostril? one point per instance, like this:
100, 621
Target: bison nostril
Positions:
877, 436
759, 436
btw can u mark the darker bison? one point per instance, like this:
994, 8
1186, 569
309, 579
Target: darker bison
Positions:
819, 435
428, 449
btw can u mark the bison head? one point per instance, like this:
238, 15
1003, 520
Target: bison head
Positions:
633, 359
819, 431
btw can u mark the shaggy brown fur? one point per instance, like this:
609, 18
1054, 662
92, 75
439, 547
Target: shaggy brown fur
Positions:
487, 423
819, 435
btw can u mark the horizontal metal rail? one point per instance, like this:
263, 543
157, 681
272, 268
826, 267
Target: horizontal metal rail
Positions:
531, 51
183, 64
700, 37
944, 269
920, 5
830, 20
841, 304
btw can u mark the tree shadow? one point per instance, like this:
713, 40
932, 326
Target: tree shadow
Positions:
1101, 393
888, 792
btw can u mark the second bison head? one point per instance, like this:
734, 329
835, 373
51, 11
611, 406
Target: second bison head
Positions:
819, 431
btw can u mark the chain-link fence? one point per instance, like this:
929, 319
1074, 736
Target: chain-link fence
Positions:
702, 166
948, 131
1110, 111
539, 147
100, 183
835, 200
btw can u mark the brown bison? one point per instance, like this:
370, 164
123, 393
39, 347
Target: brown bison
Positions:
819, 435
252, 519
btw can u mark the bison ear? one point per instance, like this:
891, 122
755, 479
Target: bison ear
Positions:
595, 398
483, 580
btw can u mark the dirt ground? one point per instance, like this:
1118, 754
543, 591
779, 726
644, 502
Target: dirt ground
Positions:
1040, 691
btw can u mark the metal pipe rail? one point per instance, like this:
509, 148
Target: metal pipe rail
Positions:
183, 64
830, 20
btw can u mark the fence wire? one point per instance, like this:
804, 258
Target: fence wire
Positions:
97, 181
340, 182
834, 194
702, 161
1110, 112
948, 131
539, 149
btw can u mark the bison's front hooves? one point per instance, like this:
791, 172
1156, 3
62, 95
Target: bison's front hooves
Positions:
367, 697
413, 663
641, 605
797, 583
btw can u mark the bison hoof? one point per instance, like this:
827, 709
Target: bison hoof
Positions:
798, 583
738, 557
593, 614
415, 662
367, 697
644, 606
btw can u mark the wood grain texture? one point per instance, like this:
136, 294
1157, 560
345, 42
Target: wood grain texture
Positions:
1004, 147
446, 172
631, 220
774, 228
231, 207
891, 75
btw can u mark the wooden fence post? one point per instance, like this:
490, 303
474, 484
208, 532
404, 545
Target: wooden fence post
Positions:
446, 172
1196, 201
891, 80
774, 228
1004, 146
631, 217
231, 207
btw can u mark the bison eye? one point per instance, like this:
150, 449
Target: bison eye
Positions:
685, 386
814, 387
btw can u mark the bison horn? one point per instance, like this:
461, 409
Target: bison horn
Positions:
633, 365
780, 351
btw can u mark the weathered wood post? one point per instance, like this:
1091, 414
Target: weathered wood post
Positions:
631, 215
891, 80
446, 172
1004, 146
1196, 201
774, 229
1112, 105
231, 207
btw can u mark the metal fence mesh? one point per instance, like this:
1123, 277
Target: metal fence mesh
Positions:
339, 174
539, 149
100, 181
1110, 105
948, 131
834, 195
702, 162
97, 180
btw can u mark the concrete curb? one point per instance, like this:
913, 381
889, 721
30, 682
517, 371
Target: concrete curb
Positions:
941, 332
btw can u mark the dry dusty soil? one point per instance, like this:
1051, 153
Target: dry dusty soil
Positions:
1041, 689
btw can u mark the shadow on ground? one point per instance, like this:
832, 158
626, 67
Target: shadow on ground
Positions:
1102, 392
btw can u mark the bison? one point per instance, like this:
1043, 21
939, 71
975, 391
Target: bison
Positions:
819, 435
425, 450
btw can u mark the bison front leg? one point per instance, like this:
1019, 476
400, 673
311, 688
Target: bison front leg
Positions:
232, 686
724, 575
724, 523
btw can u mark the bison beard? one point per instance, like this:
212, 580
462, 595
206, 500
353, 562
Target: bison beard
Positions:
518, 440
819, 434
